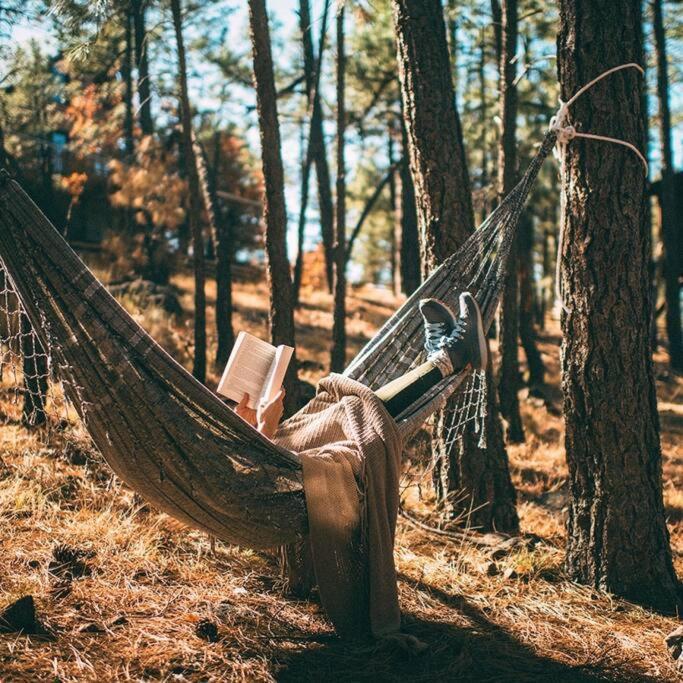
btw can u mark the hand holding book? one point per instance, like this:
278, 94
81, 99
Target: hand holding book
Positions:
266, 417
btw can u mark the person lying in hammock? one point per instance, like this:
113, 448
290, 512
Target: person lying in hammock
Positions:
452, 343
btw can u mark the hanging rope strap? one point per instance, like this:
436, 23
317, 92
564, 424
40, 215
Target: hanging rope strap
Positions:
565, 134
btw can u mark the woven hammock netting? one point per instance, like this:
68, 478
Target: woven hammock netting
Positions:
67, 345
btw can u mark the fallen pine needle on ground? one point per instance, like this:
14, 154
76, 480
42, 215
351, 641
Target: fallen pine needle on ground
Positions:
121, 592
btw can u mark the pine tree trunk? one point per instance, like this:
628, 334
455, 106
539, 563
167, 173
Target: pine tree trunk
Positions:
303, 208
508, 320
396, 216
410, 240
667, 202
195, 203
221, 235
142, 62
338, 356
274, 209
444, 210
318, 152
617, 535
527, 333
127, 69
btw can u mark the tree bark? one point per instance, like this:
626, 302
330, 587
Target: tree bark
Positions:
281, 316
142, 62
317, 150
617, 535
221, 233
508, 320
338, 355
667, 202
127, 68
396, 216
445, 218
410, 239
527, 333
195, 203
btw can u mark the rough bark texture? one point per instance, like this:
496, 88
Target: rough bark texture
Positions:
445, 219
195, 204
667, 201
142, 62
617, 535
275, 213
508, 321
338, 356
437, 157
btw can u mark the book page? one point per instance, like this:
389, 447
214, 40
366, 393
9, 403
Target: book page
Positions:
273, 384
248, 369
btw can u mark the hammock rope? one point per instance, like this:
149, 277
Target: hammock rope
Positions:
164, 433
171, 438
565, 134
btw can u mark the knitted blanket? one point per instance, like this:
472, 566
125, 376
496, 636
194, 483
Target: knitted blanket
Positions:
350, 449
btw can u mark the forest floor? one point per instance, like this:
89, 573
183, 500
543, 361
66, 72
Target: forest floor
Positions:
125, 593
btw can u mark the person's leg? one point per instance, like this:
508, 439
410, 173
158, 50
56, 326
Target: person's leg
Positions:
401, 392
450, 351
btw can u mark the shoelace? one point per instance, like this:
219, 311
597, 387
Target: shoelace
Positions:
456, 334
434, 332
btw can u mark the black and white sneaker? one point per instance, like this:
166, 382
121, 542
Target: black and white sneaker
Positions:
439, 321
465, 344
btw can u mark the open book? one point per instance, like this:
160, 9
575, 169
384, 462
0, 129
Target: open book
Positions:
255, 367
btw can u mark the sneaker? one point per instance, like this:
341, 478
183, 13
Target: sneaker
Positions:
439, 320
466, 343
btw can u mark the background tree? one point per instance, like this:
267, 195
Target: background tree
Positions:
275, 213
445, 218
617, 536
338, 355
670, 239
508, 374
195, 203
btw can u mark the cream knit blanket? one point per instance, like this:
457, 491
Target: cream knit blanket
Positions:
350, 449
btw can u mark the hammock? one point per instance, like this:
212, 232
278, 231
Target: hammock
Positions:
171, 438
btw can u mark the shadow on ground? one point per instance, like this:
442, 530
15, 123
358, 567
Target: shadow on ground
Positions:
481, 652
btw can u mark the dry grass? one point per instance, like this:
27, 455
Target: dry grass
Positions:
141, 600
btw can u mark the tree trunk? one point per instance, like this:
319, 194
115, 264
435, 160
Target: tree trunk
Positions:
396, 216
317, 149
142, 62
303, 207
281, 316
527, 334
127, 68
508, 320
667, 202
445, 219
338, 356
195, 203
484, 123
410, 239
221, 234
617, 535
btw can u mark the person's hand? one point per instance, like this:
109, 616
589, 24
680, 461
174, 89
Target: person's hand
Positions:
268, 415
245, 412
